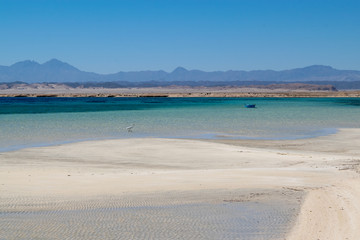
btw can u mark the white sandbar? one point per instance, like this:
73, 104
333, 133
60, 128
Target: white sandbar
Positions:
325, 168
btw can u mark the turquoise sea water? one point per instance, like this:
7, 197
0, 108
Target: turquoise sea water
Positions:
26, 122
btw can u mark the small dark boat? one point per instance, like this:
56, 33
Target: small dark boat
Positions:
250, 105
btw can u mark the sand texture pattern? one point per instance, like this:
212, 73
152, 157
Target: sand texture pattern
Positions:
183, 189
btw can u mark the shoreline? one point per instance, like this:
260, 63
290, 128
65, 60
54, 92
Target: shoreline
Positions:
226, 140
339, 94
324, 169
217, 92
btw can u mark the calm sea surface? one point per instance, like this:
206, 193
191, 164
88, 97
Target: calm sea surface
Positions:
26, 122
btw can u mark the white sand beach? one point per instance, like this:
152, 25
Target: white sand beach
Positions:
319, 175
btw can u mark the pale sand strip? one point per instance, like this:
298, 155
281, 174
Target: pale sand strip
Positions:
140, 165
330, 213
172, 92
326, 168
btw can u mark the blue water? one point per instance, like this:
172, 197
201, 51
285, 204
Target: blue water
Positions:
26, 122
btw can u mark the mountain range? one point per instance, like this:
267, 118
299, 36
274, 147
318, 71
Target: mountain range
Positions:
60, 72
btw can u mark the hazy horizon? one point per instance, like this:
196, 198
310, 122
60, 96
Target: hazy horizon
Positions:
178, 67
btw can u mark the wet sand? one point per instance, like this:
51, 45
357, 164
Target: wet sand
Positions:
183, 189
218, 214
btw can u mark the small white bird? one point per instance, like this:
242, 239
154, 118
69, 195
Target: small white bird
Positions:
130, 128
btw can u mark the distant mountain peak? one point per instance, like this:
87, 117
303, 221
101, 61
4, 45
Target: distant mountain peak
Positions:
319, 67
179, 70
57, 64
54, 61
26, 63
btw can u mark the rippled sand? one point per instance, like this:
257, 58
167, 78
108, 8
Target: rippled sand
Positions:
205, 215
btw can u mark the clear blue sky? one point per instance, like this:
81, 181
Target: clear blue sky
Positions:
107, 36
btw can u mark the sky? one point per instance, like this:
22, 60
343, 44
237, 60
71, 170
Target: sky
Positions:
108, 36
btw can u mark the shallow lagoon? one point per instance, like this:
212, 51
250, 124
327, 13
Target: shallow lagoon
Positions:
27, 122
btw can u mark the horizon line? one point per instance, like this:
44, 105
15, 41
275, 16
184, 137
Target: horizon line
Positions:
176, 68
